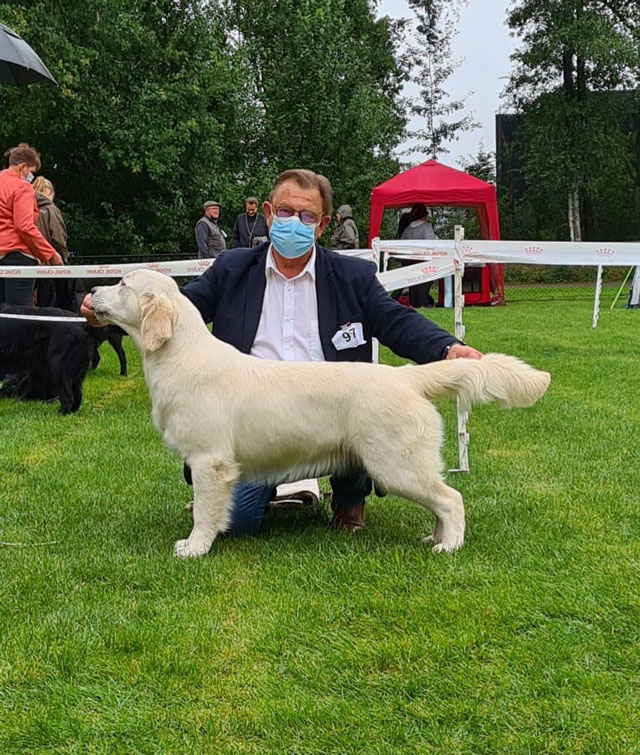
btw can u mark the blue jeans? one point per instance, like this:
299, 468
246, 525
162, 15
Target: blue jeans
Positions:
249, 504
250, 499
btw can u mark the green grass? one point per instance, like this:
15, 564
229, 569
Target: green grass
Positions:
306, 641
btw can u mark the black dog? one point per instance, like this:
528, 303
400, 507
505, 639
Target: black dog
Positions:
62, 293
44, 360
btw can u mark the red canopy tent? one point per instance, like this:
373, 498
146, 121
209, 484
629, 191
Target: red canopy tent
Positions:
435, 184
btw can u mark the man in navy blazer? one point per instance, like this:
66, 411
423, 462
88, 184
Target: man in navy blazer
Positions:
291, 299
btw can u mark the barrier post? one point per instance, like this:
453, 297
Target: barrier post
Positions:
596, 298
458, 304
375, 345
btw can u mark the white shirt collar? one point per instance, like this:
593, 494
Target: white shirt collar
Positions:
309, 268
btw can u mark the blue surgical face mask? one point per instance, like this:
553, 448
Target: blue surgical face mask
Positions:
29, 177
290, 237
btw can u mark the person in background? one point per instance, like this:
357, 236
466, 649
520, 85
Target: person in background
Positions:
250, 228
211, 240
51, 225
50, 222
418, 227
21, 243
345, 235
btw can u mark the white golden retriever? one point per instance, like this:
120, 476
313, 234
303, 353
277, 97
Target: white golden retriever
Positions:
233, 416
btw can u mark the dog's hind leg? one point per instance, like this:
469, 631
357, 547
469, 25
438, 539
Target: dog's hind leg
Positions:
76, 389
414, 472
212, 484
65, 394
444, 502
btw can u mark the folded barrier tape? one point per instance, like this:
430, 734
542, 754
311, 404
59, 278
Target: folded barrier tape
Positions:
584, 253
413, 275
422, 272
604, 253
171, 267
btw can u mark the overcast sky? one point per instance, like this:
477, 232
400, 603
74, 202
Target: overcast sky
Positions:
484, 44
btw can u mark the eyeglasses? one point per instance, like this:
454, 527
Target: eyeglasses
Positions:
307, 217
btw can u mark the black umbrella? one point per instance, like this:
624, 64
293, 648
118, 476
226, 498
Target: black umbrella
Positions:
19, 64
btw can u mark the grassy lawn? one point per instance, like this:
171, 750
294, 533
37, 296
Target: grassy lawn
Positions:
306, 641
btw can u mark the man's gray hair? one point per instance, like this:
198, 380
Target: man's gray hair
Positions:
307, 179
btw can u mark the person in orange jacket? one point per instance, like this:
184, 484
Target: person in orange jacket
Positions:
21, 243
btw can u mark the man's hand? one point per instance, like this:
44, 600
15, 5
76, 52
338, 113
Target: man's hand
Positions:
459, 350
87, 311
55, 260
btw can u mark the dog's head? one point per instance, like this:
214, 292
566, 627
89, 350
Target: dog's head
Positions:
142, 304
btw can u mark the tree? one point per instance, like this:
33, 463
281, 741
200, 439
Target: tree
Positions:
571, 54
482, 166
326, 79
163, 104
133, 137
431, 57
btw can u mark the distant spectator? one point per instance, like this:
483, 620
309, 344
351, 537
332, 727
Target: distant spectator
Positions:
21, 243
419, 227
211, 239
345, 235
50, 222
250, 228
51, 225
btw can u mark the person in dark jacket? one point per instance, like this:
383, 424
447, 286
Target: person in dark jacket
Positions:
50, 221
291, 299
51, 225
250, 228
345, 235
210, 238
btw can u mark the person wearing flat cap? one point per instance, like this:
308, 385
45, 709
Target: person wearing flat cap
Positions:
211, 239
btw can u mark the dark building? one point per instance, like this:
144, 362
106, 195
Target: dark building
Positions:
511, 142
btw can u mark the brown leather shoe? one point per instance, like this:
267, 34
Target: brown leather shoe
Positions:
349, 518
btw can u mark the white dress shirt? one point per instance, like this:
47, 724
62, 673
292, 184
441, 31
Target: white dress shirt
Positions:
288, 329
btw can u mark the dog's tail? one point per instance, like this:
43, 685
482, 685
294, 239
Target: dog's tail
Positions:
505, 379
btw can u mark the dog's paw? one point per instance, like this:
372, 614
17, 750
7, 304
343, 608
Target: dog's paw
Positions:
448, 546
429, 538
189, 549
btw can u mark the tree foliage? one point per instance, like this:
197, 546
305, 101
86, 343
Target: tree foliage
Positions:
326, 79
573, 58
442, 117
162, 104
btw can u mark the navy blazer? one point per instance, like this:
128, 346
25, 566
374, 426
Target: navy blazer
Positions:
230, 293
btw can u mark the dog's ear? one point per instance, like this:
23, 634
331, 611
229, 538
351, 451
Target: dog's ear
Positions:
157, 321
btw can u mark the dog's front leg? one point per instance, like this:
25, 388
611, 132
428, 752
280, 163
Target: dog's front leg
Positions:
212, 483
